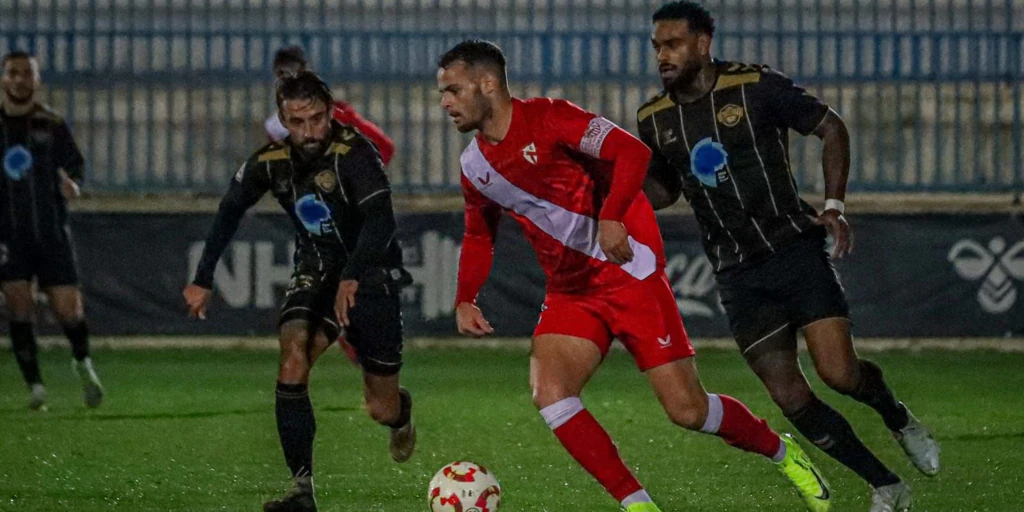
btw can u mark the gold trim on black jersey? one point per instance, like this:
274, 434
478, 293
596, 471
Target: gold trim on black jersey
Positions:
654, 105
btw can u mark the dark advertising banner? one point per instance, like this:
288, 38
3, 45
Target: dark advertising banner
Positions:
910, 275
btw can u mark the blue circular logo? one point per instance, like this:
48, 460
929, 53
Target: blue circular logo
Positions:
706, 159
314, 214
17, 162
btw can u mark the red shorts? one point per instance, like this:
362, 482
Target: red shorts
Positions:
643, 316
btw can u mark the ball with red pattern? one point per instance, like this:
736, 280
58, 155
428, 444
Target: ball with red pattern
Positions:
464, 487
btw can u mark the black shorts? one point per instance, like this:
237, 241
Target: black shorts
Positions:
52, 263
375, 329
794, 287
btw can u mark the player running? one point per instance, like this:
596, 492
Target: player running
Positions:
42, 171
572, 180
348, 270
719, 133
288, 62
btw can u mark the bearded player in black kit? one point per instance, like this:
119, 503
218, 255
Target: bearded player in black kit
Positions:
719, 135
348, 270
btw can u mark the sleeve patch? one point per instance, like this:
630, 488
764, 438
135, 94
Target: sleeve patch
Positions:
593, 138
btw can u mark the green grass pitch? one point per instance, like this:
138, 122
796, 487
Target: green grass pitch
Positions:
193, 430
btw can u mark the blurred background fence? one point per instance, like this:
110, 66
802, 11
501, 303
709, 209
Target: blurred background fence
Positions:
169, 95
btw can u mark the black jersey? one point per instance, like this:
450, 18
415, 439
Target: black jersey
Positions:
339, 202
730, 150
34, 147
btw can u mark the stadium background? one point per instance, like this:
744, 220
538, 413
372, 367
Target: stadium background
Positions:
167, 97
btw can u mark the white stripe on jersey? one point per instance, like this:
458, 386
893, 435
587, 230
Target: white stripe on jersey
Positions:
575, 231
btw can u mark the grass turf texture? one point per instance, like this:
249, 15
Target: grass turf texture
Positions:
193, 430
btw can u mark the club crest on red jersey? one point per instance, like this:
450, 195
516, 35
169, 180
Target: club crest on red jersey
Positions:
530, 153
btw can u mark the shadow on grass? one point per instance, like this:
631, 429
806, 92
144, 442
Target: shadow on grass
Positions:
99, 416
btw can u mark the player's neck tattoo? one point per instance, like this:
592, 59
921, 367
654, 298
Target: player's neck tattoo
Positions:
698, 87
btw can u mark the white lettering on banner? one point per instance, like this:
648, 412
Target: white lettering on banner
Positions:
996, 265
693, 281
270, 275
435, 274
243, 283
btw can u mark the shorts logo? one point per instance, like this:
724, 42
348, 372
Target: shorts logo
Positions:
5, 254
666, 341
240, 174
17, 162
314, 214
730, 115
996, 264
706, 160
326, 181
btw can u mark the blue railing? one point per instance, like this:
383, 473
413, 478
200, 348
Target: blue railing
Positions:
169, 95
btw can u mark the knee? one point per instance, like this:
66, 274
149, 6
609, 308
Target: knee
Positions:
383, 410
294, 363
690, 414
69, 316
843, 379
791, 397
21, 310
548, 394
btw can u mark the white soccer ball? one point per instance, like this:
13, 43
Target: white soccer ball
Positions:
464, 487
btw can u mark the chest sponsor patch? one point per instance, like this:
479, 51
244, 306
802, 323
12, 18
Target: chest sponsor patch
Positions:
17, 162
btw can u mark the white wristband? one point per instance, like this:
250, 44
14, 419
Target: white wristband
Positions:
835, 204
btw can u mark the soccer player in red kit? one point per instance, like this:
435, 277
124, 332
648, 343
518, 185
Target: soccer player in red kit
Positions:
573, 180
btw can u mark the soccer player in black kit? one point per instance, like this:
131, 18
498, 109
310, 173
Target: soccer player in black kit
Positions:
719, 136
42, 169
348, 270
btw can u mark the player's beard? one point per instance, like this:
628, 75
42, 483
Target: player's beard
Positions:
312, 148
14, 97
685, 78
484, 112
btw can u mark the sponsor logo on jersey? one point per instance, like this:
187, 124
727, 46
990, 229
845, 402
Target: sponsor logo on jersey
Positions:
668, 137
17, 162
996, 266
730, 115
530, 154
326, 181
314, 214
707, 158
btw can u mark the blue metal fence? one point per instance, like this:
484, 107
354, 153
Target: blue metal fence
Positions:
170, 94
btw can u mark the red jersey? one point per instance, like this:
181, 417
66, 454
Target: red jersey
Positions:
558, 171
344, 114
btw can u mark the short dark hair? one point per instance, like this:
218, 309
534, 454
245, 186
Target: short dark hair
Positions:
475, 52
306, 85
697, 17
15, 54
288, 55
